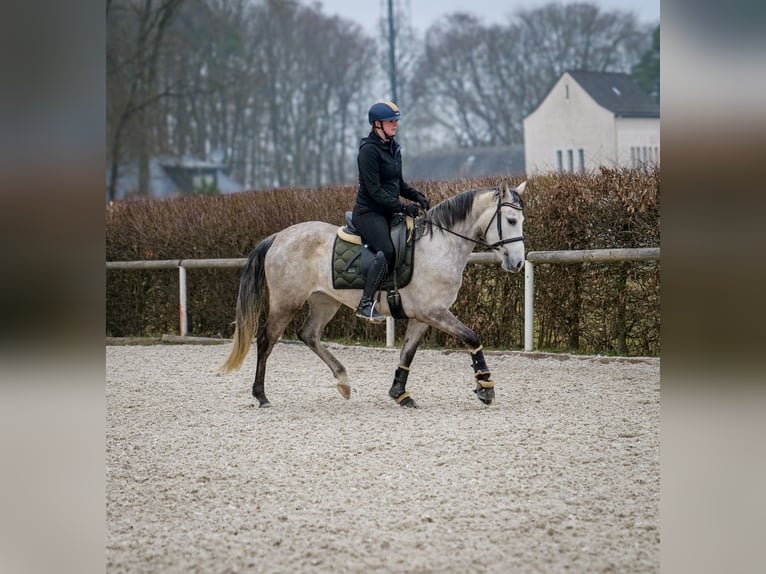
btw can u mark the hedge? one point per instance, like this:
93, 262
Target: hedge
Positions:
580, 308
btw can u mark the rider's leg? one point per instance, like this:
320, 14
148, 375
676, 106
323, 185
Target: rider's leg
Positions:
377, 235
375, 275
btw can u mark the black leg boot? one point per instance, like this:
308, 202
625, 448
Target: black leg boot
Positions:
375, 275
485, 386
397, 390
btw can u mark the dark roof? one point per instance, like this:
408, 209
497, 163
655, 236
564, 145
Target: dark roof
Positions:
170, 176
465, 162
618, 93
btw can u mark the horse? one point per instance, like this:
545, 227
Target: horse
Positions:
293, 266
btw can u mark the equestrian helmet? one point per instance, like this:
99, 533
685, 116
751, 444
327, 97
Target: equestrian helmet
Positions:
383, 111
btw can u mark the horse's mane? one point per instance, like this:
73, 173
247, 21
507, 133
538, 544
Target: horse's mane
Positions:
455, 209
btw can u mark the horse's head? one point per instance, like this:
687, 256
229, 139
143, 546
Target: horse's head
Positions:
505, 231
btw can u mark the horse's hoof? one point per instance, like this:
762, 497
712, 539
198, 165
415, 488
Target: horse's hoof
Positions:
264, 405
486, 395
409, 403
405, 400
344, 390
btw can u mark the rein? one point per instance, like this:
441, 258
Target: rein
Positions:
497, 244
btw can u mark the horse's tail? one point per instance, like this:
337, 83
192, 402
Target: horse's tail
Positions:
251, 302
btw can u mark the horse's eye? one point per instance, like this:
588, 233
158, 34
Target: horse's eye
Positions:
511, 221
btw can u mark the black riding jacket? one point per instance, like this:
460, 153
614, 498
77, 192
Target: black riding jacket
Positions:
380, 176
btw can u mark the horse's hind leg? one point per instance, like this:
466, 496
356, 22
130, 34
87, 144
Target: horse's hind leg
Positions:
321, 309
412, 338
270, 333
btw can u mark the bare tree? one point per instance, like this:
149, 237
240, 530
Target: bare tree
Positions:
281, 90
315, 69
135, 34
454, 78
214, 61
480, 81
275, 87
349, 57
580, 36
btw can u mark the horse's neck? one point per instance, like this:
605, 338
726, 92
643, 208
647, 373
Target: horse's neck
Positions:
458, 247
474, 226
470, 229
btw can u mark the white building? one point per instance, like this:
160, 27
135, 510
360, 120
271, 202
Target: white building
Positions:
592, 119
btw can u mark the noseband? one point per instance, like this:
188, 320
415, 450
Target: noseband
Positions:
497, 244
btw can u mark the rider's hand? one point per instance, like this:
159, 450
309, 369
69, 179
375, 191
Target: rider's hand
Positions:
410, 209
423, 201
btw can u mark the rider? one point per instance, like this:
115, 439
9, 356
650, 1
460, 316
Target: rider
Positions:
380, 185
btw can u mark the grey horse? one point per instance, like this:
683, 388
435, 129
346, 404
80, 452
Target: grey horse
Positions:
273, 286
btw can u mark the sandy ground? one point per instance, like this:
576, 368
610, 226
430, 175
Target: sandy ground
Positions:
560, 474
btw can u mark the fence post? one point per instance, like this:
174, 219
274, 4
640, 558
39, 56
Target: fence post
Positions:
529, 305
184, 322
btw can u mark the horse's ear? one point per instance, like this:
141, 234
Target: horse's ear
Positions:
520, 188
503, 189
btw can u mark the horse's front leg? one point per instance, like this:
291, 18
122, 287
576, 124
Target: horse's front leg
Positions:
412, 338
485, 387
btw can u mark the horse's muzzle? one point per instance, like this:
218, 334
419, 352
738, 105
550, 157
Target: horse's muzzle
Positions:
512, 266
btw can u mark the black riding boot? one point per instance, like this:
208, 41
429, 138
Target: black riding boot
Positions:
375, 275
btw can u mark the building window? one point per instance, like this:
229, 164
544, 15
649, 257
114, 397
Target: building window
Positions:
559, 161
581, 157
570, 160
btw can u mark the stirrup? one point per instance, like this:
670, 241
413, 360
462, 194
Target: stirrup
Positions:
368, 313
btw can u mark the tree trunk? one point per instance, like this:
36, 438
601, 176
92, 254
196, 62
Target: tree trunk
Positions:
143, 156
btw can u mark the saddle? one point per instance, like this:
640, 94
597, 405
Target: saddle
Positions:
351, 257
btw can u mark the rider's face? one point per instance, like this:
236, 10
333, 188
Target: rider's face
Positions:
389, 127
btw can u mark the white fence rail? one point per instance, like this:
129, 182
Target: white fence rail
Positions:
533, 258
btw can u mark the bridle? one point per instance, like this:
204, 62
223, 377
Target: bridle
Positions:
497, 244
496, 217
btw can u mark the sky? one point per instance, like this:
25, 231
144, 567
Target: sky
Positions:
423, 13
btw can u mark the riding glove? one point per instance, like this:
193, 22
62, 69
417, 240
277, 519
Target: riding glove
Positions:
423, 201
410, 209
